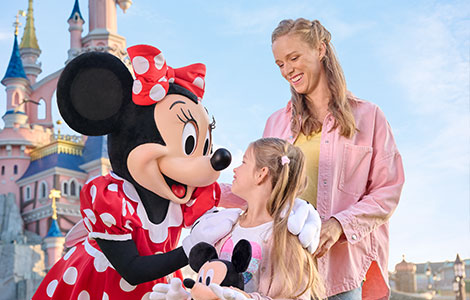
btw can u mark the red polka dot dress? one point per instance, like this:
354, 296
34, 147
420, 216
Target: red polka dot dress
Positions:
112, 210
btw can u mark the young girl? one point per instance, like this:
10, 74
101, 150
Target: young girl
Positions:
270, 177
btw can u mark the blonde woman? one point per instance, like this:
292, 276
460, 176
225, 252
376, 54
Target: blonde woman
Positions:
354, 170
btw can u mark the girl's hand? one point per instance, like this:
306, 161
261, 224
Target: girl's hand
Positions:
225, 293
330, 233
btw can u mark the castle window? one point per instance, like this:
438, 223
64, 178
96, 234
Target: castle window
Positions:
65, 188
42, 109
43, 190
27, 193
3, 170
15, 169
73, 188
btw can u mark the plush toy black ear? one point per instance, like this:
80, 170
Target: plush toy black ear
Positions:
200, 254
93, 90
241, 255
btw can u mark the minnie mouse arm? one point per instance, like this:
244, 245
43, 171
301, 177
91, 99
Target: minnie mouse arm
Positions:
135, 269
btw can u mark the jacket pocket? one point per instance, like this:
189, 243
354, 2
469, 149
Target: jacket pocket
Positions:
355, 169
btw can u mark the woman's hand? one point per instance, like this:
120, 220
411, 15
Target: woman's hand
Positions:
330, 233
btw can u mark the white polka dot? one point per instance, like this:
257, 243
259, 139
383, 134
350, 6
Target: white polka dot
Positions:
157, 93
146, 296
70, 276
199, 82
140, 64
69, 253
124, 210
130, 208
93, 193
101, 263
171, 80
105, 296
137, 87
159, 61
51, 287
125, 286
90, 215
162, 79
108, 219
87, 224
113, 187
83, 296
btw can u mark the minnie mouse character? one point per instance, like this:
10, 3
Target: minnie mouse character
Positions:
163, 178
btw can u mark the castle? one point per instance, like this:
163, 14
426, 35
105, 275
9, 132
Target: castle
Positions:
35, 158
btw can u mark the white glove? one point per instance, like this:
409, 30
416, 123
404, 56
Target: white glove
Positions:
225, 293
211, 227
169, 291
305, 222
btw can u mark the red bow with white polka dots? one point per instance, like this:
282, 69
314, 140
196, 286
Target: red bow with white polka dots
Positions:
153, 75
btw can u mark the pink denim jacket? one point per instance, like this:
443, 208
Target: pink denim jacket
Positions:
359, 183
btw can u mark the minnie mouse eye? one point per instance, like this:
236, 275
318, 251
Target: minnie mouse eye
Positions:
207, 144
189, 138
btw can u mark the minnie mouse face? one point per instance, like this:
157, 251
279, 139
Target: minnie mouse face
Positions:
174, 170
159, 133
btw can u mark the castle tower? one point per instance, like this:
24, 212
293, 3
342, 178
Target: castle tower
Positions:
102, 34
76, 22
405, 276
13, 144
29, 48
54, 241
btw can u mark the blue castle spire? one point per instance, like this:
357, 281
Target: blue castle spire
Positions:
76, 10
15, 67
54, 230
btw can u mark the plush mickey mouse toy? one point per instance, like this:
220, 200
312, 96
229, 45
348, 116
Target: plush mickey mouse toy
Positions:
163, 178
213, 273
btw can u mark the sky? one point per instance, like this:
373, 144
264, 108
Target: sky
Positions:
409, 57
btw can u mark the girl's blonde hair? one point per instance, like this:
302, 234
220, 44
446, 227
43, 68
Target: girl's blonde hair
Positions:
313, 33
291, 261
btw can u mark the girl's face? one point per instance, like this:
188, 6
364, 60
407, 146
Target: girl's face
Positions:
244, 175
299, 63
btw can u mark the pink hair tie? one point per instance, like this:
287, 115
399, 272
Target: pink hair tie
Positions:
285, 160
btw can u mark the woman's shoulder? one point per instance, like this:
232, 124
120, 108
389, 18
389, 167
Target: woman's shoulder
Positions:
363, 108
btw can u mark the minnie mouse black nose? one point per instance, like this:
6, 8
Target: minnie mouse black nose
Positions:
221, 159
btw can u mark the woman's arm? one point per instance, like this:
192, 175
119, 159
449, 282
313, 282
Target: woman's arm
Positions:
385, 182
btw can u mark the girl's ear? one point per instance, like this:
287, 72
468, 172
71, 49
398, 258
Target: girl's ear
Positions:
92, 92
200, 254
261, 175
241, 255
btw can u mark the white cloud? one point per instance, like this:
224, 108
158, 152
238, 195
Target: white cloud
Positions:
428, 53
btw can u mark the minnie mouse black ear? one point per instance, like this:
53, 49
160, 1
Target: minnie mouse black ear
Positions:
92, 92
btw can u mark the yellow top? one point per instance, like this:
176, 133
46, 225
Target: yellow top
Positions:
310, 146
29, 39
